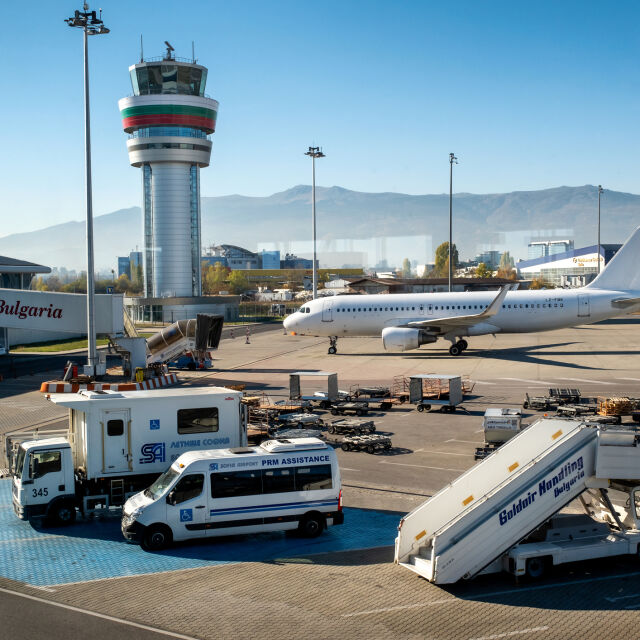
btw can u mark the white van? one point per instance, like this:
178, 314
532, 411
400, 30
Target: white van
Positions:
282, 484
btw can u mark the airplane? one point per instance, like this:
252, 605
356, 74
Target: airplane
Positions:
407, 321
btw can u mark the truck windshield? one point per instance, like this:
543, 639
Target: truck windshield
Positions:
20, 462
161, 484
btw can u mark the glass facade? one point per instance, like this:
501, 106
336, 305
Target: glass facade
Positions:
168, 77
184, 132
169, 145
194, 187
147, 211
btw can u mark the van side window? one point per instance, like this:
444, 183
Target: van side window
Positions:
188, 487
203, 420
316, 477
277, 480
236, 483
115, 427
47, 462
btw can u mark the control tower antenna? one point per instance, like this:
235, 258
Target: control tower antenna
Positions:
193, 52
141, 50
169, 50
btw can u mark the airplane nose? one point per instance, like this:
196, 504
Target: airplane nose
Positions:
289, 323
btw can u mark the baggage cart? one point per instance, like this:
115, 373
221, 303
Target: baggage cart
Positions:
539, 403
341, 408
564, 396
369, 443
351, 426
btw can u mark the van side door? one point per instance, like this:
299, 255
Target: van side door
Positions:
186, 507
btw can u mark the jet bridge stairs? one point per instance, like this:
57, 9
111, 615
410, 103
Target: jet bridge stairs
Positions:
469, 525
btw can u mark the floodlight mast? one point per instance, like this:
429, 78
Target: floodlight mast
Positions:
314, 152
452, 160
91, 25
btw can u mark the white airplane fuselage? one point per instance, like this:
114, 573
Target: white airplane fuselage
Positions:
520, 312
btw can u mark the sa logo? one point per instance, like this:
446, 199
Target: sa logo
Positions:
152, 452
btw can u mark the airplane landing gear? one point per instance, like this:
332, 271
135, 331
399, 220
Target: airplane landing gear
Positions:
458, 347
333, 345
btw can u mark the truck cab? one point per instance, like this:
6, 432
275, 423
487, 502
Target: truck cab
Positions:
43, 480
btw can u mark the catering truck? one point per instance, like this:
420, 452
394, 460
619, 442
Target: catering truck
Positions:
116, 444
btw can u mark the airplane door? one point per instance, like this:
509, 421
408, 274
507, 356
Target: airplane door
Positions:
327, 314
584, 310
116, 442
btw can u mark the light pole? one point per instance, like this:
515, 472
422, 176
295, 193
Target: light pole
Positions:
452, 159
91, 25
600, 190
314, 152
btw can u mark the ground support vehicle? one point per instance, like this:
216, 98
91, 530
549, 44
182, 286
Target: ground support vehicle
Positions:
539, 403
499, 425
351, 426
565, 396
430, 390
617, 406
117, 443
576, 410
341, 408
482, 521
300, 420
321, 398
277, 486
368, 443
290, 434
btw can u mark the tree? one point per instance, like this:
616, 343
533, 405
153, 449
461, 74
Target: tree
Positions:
137, 274
214, 278
238, 282
539, 283
507, 274
406, 268
442, 259
482, 271
506, 262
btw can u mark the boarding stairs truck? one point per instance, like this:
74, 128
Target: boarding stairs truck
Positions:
498, 515
116, 444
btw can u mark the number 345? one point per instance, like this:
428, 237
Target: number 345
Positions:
40, 492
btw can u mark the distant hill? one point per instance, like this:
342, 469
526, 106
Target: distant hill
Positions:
500, 221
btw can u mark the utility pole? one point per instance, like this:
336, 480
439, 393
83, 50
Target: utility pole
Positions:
600, 190
452, 159
91, 25
314, 152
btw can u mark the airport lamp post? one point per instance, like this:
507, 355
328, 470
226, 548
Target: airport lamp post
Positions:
600, 190
314, 152
91, 25
452, 159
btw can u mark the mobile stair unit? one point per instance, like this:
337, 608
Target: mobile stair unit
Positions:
475, 524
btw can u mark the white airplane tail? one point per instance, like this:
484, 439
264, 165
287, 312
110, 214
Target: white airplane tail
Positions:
623, 272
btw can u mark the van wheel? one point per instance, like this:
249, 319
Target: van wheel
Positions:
537, 567
311, 525
62, 514
156, 538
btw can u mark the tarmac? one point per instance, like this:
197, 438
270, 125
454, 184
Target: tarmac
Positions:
351, 589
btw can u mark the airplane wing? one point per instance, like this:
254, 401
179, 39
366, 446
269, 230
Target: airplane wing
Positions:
444, 325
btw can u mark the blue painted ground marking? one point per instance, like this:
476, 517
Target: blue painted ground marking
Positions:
96, 550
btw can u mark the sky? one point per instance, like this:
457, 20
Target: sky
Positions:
528, 95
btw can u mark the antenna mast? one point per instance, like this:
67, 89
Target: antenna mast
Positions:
141, 50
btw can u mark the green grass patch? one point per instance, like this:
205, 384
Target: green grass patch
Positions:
53, 346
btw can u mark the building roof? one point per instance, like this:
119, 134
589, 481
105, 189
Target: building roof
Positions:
12, 265
572, 253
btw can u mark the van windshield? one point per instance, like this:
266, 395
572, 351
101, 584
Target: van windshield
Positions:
161, 484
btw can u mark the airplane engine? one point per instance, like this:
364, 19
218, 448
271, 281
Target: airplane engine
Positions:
403, 339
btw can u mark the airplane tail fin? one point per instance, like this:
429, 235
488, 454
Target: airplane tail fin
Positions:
623, 271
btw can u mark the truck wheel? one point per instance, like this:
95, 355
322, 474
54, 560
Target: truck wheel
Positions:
345, 446
311, 525
62, 514
525, 405
420, 408
156, 537
331, 429
537, 567
371, 449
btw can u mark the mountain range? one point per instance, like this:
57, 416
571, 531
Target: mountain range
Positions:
505, 221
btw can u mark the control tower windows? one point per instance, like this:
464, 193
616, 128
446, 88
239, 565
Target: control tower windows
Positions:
150, 79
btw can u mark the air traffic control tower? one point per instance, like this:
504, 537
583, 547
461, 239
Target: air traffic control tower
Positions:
170, 121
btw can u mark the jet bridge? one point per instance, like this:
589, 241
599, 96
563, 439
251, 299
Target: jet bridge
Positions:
477, 518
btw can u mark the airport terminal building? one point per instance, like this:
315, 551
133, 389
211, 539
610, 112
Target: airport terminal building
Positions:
572, 268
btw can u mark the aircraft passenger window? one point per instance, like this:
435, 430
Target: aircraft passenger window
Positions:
413, 308
538, 305
526, 306
556, 304
561, 304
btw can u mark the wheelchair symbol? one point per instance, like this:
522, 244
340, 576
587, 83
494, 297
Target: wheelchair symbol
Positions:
186, 515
